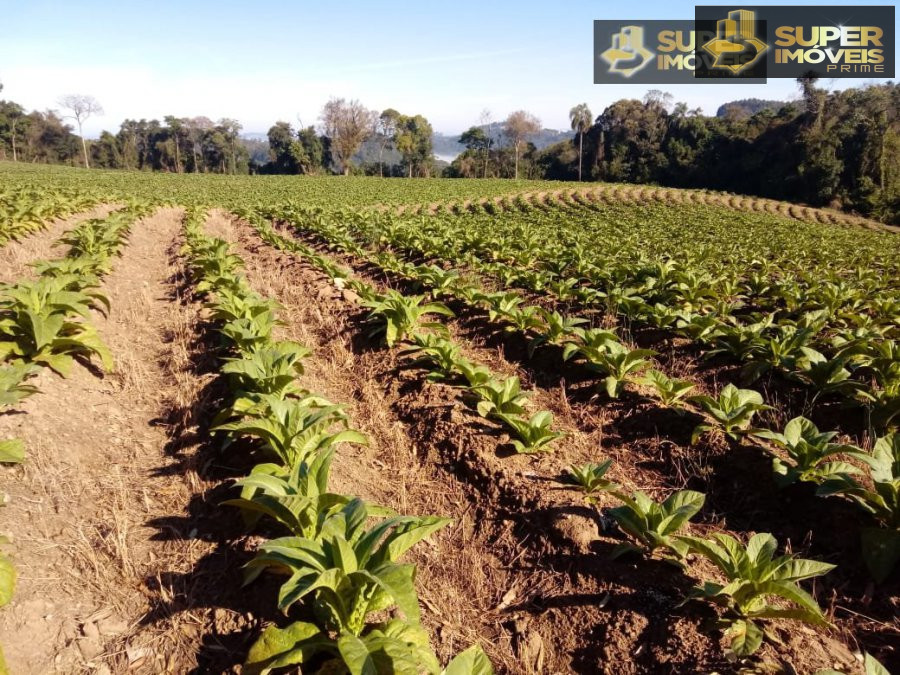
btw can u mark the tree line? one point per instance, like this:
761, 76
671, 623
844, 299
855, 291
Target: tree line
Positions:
829, 148
839, 149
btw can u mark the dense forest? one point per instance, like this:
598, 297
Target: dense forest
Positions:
828, 148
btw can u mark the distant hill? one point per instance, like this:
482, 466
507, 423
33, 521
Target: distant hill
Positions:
751, 106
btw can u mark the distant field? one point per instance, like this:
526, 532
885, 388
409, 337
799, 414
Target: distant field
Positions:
237, 190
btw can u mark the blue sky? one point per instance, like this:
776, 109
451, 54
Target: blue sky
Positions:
276, 59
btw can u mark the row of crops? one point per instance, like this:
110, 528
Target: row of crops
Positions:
761, 333
618, 194
236, 191
45, 322
800, 451
25, 209
821, 313
340, 555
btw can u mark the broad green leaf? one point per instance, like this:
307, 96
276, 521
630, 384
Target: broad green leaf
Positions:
472, 661
280, 647
746, 637
356, 655
12, 451
7, 580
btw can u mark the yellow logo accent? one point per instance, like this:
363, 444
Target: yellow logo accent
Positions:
736, 46
628, 53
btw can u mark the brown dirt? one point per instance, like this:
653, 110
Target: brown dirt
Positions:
557, 545
651, 446
81, 506
16, 255
128, 562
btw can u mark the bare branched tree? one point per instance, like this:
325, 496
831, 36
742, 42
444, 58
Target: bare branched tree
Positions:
82, 107
517, 128
347, 124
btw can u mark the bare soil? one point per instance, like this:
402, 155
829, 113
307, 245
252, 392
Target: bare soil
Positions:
80, 507
129, 562
561, 576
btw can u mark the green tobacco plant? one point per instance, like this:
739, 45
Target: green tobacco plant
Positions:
555, 330
436, 352
732, 411
440, 281
7, 576
212, 260
12, 390
233, 303
606, 355
533, 434
524, 320
754, 575
269, 370
294, 430
591, 478
250, 335
788, 351
503, 305
654, 524
297, 498
880, 545
670, 391
475, 375
83, 272
811, 454
35, 324
392, 648
349, 571
500, 397
13, 378
398, 315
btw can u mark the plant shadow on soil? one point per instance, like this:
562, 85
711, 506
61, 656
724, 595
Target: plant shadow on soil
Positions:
212, 588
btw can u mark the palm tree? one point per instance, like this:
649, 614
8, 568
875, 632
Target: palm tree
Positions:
581, 118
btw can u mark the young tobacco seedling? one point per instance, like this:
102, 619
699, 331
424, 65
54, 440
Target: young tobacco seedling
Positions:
294, 430
591, 478
533, 434
271, 369
474, 374
556, 328
880, 545
297, 498
500, 397
396, 315
754, 575
349, 572
606, 355
669, 390
434, 351
733, 411
810, 454
654, 524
